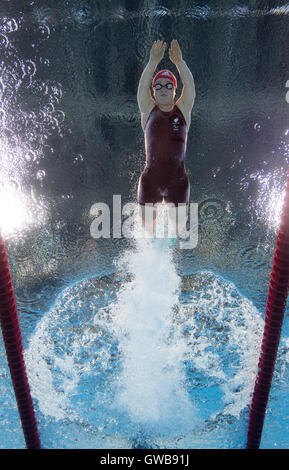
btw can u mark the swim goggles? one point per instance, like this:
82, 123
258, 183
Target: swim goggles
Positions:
169, 86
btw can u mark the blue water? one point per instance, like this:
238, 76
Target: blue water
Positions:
131, 343
146, 358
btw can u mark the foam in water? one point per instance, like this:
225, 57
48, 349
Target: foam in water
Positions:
42, 359
223, 331
146, 355
151, 386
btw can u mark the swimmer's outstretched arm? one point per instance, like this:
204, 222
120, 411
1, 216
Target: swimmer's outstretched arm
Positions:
144, 96
188, 93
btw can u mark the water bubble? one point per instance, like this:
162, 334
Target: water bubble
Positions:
40, 175
257, 126
48, 108
3, 41
216, 171
252, 257
59, 116
10, 78
211, 208
29, 68
55, 92
86, 13
44, 61
18, 122
78, 158
14, 185
43, 31
30, 156
8, 25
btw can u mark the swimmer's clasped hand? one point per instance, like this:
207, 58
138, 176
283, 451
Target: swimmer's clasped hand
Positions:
175, 52
157, 51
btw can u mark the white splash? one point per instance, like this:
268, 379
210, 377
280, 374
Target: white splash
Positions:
152, 387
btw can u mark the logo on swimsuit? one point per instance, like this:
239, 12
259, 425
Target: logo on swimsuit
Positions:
172, 221
176, 124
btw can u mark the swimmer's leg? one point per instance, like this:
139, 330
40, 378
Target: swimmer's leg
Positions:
178, 200
148, 213
178, 215
149, 193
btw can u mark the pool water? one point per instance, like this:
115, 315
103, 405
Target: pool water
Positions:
147, 360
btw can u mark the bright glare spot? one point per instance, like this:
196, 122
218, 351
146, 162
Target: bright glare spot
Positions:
15, 213
275, 205
270, 197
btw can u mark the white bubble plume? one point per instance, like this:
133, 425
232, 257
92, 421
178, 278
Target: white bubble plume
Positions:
152, 387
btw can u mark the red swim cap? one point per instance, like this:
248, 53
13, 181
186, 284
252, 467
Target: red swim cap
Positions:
165, 74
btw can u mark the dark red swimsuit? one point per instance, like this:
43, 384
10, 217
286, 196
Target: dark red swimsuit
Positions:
164, 175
